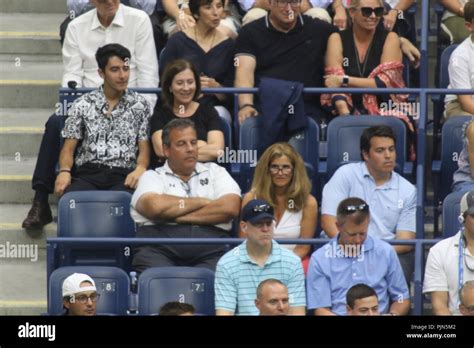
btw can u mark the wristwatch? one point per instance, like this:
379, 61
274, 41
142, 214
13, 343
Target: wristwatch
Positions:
345, 81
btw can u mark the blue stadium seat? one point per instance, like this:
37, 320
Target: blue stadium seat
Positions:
159, 285
451, 209
344, 142
306, 143
94, 214
113, 285
443, 170
438, 100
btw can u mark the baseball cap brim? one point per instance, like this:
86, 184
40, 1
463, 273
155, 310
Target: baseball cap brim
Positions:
261, 217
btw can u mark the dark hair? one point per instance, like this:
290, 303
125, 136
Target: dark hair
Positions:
358, 292
359, 215
265, 282
104, 53
469, 11
176, 308
195, 4
374, 131
172, 69
177, 123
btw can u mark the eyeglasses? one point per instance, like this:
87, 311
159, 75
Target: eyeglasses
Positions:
285, 169
367, 11
265, 208
84, 298
353, 208
284, 3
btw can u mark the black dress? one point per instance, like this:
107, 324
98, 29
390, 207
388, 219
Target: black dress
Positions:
217, 63
354, 67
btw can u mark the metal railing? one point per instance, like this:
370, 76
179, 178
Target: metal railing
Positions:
419, 245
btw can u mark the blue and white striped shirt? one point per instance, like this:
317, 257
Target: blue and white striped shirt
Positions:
237, 278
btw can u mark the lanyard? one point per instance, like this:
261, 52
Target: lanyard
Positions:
461, 265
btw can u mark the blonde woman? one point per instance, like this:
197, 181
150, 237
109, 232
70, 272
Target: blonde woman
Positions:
280, 179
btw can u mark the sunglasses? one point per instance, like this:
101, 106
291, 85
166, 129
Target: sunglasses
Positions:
284, 3
350, 209
265, 208
367, 11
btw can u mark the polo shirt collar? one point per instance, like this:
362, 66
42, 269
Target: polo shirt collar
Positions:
118, 19
391, 184
275, 254
299, 24
200, 168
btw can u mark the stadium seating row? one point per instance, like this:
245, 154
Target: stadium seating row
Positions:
156, 286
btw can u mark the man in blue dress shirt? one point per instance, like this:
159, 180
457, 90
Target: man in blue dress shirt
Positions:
353, 257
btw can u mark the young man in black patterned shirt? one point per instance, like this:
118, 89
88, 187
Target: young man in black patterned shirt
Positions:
113, 124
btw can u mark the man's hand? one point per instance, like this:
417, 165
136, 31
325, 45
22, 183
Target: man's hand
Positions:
333, 81
390, 19
247, 112
132, 179
340, 18
63, 180
411, 52
184, 21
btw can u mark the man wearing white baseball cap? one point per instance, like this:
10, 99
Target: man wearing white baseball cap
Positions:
80, 295
450, 263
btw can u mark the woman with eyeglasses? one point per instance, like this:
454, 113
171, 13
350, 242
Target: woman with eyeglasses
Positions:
366, 56
280, 179
180, 89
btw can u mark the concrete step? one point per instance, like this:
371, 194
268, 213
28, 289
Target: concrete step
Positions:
17, 143
30, 58
30, 44
25, 293
33, 6
19, 69
11, 218
30, 33
16, 117
29, 93
15, 180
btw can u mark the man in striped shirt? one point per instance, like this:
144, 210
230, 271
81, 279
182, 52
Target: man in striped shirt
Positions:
240, 271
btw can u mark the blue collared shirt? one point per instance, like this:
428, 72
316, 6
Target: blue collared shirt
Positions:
238, 276
332, 273
392, 205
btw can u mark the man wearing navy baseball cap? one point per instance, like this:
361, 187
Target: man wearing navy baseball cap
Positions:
450, 263
259, 257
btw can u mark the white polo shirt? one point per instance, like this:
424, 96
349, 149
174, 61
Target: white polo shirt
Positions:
461, 68
442, 269
208, 181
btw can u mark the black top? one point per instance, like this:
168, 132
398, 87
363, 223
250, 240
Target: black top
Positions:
218, 63
294, 56
353, 66
205, 118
